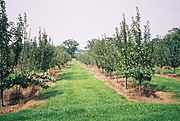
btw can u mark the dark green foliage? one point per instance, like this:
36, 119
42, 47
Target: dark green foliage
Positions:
167, 50
143, 74
25, 80
91, 43
17, 45
43, 52
161, 52
123, 41
173, 42
106, 55
24, 56
60, 57
6, 59
86, 59
5, 39
71, 46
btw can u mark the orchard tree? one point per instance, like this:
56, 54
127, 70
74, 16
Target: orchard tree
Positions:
48, 51
5, 39
32, 54
98, 51
60, 57
148, 47
173, 42
23, 62
106, 55
142, 70
17, 44
10, 48
39, 51
44, 52
125, 50
71, 46
161, 52
111, 57
86, 58
91, 43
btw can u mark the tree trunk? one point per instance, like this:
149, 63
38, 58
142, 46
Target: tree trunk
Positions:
126, 83
59, 67
161, 68
17, 89
19, 94
32, 91
2, 98
174, 70
139, 87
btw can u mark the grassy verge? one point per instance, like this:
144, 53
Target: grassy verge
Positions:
168, 71
78, 95
169, 85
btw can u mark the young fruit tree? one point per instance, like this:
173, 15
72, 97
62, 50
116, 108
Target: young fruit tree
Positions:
143, 56
123, 42
10, 48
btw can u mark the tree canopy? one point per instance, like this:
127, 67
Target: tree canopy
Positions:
70, 46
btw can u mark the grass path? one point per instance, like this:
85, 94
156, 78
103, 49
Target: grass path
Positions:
78, 95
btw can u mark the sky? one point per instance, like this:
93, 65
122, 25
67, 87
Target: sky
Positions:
83, 20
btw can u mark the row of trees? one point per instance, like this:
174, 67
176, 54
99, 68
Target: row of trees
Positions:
23, 58
167, 49
131, 53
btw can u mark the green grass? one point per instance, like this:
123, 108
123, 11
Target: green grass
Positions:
79, 96
169, 85
168, 71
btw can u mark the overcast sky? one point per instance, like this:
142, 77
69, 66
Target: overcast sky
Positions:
83, 20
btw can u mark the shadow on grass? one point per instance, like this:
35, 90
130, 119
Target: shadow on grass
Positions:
69, 66
65, 76
71, 76
49, 94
